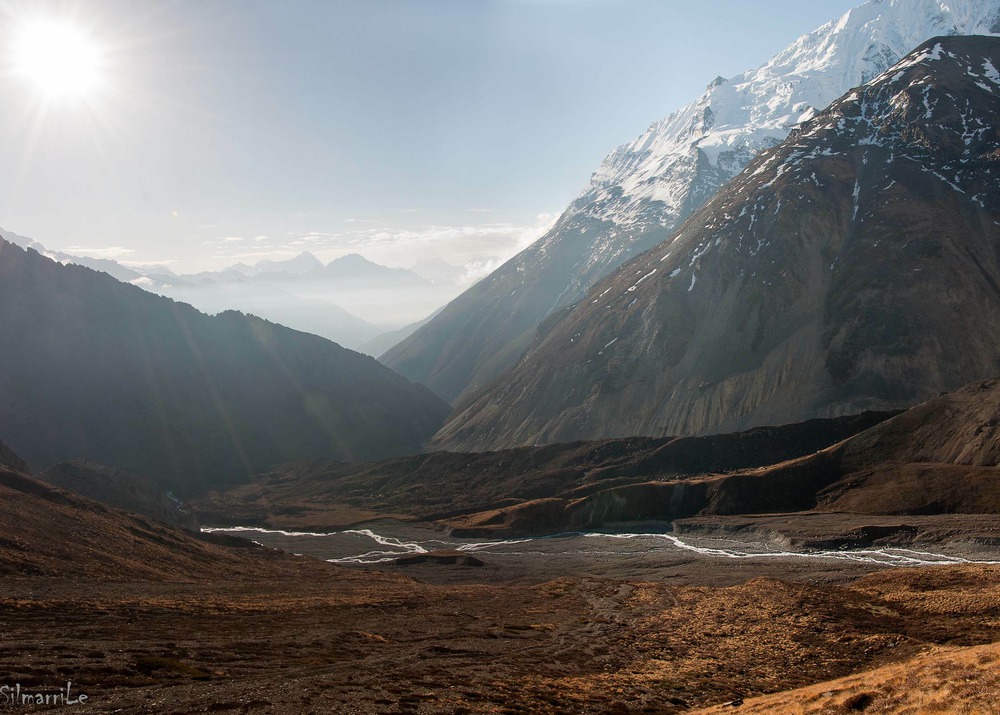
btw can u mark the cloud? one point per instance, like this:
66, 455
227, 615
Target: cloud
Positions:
105, 252
477, 270
479, 248
150, 263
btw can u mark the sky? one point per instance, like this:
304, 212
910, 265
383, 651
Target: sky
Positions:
225, 131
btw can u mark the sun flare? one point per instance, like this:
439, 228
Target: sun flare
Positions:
58, 58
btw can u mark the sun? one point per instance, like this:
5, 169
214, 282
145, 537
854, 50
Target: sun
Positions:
57, 58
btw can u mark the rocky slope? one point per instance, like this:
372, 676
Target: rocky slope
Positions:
91, 367
937, 458
922, 474
11, 460
646, 188
122, 490
854, 266
325, 495
50, 532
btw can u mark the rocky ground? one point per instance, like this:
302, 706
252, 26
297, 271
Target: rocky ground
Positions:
318, 638
143, 618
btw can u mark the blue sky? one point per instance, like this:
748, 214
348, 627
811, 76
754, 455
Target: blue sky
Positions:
458, 128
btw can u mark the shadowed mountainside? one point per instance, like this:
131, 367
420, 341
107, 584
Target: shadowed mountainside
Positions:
94, 368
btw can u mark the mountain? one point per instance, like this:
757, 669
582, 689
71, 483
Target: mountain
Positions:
646, 188
854, 266
436, 270
277, 301
300, 293
91, 367
306, 295
106, 265
11, 460
358, 270
385, 341
302, 264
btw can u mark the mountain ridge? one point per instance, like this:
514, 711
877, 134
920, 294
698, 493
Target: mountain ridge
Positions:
645, 188
813, 285
94, 368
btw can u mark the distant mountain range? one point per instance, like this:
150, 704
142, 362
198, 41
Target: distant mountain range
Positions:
301, 292
645, 189
94, 368
854, 266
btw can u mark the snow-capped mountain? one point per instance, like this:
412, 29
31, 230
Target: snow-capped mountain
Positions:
682, 160
855, 266
646, 188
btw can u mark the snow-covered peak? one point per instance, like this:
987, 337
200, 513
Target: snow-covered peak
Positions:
682, 160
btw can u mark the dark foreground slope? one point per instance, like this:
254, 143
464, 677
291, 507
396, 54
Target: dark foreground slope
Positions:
47, 531
123, 490
90, 367
855, 266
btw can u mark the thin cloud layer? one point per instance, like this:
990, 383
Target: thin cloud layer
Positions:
479, 249
112, 252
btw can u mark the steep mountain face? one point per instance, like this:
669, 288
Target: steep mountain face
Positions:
645, 189
90, 367
855, 266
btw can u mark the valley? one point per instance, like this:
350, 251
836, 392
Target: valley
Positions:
178, 624
724, 439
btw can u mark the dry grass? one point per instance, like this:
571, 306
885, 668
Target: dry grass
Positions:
956, 681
